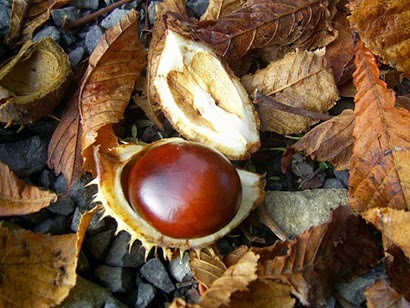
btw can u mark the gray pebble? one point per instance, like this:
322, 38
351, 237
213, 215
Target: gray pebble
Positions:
76, 55
25, 157
193, 296
112, 19
95, 224
120, 254
197, 7
5, 10
146, 294
333, 183
99, 244
63, 206
67, 13
38, 217
47, 179
60, 186
92, 38
179, 268
299, 165
54, 225
82, 194
154, 271
343, 175
115, 279
50, 31
68, 38
86, 4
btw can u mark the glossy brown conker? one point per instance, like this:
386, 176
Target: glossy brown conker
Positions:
184, 189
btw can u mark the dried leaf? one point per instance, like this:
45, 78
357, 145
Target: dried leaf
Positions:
19, 198
236, 278
340, 53
27, 16
384, 26
330, 141
38, 270
380, 294
398, 269
218, 8
262, 23
379, 168
151, 107
263, 294
114, 67
33, 82
395, 224
301, 79
64, 150
207, 267
338, 250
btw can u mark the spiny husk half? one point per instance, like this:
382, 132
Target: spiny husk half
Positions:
111, 167
203, 99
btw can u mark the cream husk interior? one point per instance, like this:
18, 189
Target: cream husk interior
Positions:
203, 99
110, 194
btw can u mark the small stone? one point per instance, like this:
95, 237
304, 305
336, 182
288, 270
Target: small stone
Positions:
83, 264
95, 223
88, 294
193, 296
68, 38
342, 175
5, 10
50, 31
179, 268
38, 217
115, 279
83, 194
63, 206
25, 157
54, 225
67, 13
100, 243
60, 186
154, 271
146, 294
114, 18
197, 7
353, 291
86, 4
297, 211
152, 11
333, 183
47, 179
76, 55
120, 254
92, 38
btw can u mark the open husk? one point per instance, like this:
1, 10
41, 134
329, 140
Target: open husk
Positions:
112, 169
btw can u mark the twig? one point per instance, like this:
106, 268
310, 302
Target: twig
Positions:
260, 98
81, 21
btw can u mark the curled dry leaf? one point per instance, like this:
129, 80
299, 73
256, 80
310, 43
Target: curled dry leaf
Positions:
207, 267
113, 69
33, 82
262, 23
219, 8
236, 278
381, 294
28, 16
301, 79
335, 251
19, 198
397, 267
384, 26
151, 107
203, 99
38, 270
64, 149
379, 168
330, 141
393, 223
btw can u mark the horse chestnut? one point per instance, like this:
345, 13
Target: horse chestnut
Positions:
184, 190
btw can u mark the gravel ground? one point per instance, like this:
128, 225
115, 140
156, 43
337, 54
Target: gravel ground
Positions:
118, 276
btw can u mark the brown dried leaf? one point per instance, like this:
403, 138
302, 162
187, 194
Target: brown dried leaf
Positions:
301, 79
398, 269
19, 198
263, 294
379, 168
330, 141
384, 26
207, 267
27, 16
218, 8
64, 150
262, 23
151, 107
33, 82
380, 295
395, 224
114, 67
340, 53
236, 278
38, 270
338, 250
